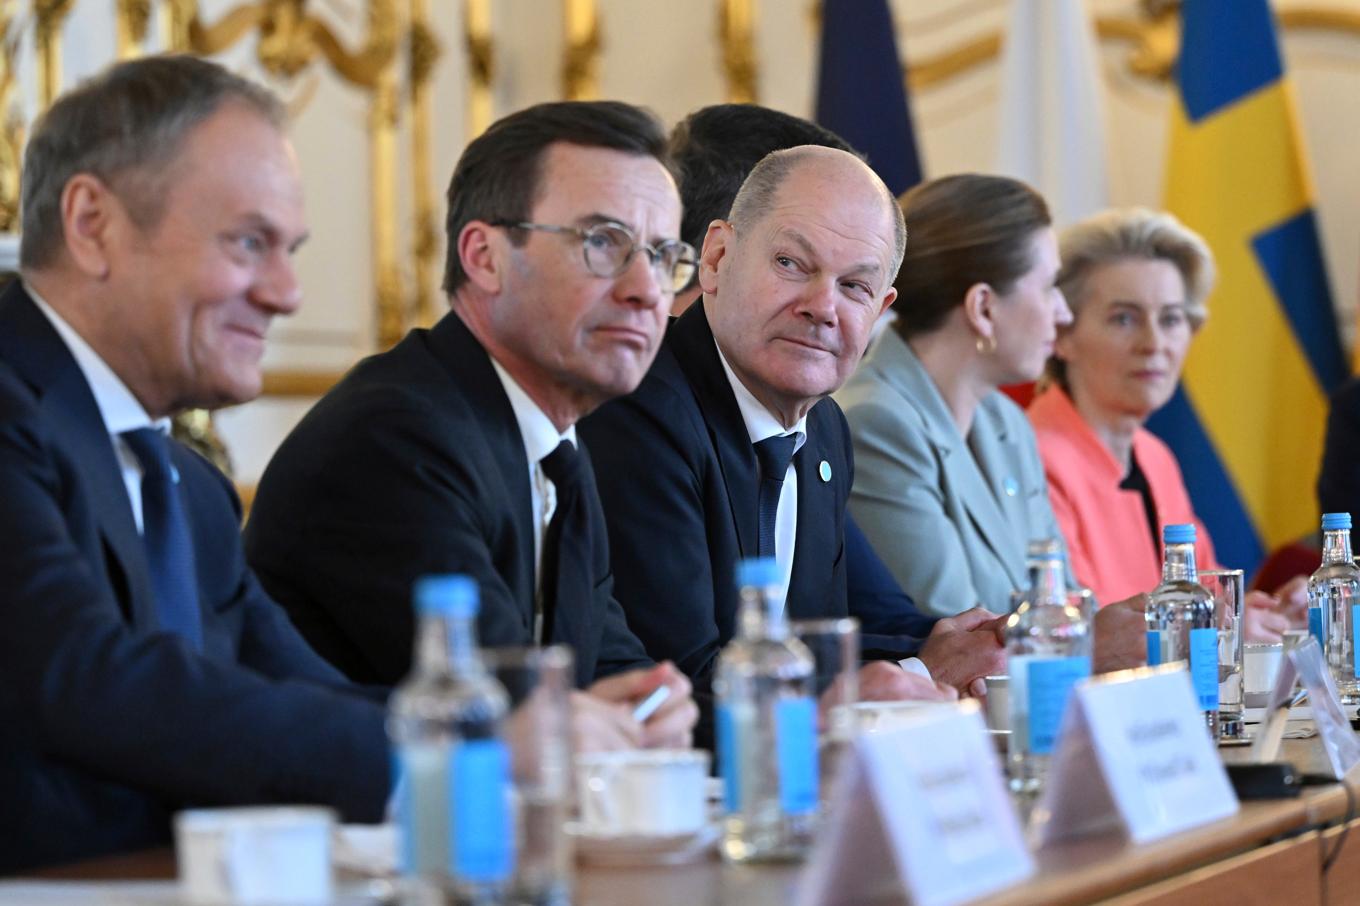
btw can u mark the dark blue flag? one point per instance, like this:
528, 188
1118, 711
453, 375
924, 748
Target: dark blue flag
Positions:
861, 92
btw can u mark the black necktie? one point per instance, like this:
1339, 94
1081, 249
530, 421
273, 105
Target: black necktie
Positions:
774, 454
566, 544
165, 532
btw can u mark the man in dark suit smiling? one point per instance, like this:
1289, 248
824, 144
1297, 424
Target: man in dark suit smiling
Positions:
142, 669
456, 451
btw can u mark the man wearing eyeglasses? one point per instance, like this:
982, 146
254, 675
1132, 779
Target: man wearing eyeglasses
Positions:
456, 451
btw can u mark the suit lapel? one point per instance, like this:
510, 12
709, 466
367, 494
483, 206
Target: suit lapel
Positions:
996, 455
458, 351
961, 469
692, 340
35, 351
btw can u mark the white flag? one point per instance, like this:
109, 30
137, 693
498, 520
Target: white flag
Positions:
1052, 120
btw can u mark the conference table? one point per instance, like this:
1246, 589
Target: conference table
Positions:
1297, 851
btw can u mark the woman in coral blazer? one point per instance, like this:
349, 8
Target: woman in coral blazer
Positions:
1136, 281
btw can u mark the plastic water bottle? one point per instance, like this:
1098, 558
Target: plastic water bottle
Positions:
445, 722
1334, 592
1180, 621
1048, 651
766, 709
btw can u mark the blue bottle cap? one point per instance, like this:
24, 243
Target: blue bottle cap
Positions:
1182, 533
447, 596
1332, 522
757, 571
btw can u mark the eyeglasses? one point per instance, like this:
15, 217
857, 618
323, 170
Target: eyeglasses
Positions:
608, 247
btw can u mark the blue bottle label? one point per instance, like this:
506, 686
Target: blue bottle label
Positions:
1204, 667
728, 745
1355, 637
1154, 647
795, 721
482, 841
1315, 625
1050, 684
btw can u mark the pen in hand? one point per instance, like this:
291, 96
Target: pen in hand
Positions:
649, 705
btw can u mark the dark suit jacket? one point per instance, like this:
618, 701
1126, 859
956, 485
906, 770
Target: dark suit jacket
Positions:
414, 464
108, 724
679, 481
1338, 484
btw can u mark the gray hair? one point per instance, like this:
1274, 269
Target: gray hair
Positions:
1121, 234
125, 126
757, 194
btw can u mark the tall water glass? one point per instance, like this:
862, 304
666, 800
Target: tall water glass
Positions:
539, 681
835, 647
1228, 592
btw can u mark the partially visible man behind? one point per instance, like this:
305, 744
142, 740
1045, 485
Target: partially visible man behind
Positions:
142, 669
456, 451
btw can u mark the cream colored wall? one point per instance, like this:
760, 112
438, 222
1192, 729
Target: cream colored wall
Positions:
665, 55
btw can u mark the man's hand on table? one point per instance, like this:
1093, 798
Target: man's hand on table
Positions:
1262, 618
602, 716
1120, 635
884, 681
963, 649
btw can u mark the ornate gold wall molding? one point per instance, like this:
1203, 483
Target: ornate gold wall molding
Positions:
11, 122
581, 57
423, 53
481, 64
737, 36
290, 40
133, 19
1153, 37
284, 382
48, 16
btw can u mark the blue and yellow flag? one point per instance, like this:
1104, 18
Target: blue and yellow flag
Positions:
861, 91
1247, 422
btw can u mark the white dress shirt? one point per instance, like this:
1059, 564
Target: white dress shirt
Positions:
540, 438
117, 406
760, 424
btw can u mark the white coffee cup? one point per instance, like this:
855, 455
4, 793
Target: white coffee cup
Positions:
644, 793
1260, 663
255, 856
998, 711
876, 717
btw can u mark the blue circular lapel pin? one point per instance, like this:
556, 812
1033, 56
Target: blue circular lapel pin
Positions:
824, 470
1011, 486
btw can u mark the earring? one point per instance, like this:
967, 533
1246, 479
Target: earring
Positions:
986, 346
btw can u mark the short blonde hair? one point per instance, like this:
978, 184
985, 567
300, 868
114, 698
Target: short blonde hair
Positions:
1121, 234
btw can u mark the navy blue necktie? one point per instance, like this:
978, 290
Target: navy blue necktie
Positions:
774, 454
165, 531
567, 554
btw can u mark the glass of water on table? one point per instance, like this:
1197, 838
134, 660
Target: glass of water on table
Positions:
1228, 591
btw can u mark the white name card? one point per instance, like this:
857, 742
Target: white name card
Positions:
1133, 755
920, 806
1305, 664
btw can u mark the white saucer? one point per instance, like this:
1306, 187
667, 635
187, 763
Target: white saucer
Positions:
632, 851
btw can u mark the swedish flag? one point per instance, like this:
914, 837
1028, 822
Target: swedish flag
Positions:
1247, 422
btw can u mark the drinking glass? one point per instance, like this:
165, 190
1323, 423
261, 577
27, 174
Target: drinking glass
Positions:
539, 681
835, 652
835, 648
1227, 588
